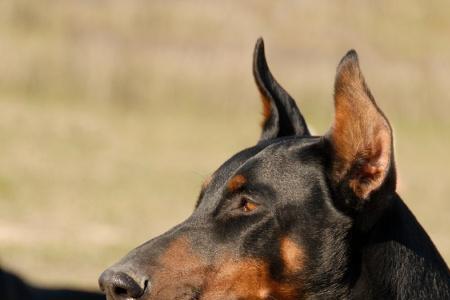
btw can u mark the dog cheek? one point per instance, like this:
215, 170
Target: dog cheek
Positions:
246, 279
179, 267
292, 256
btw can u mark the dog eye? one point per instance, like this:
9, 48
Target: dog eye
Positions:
247, 205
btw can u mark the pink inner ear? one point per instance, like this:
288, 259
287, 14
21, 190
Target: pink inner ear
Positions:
371, 170
371, 165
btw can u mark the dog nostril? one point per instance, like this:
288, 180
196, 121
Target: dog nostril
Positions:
124, 285
121, 285
120, 291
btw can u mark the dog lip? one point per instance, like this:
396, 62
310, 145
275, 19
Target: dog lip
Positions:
190, 292
196, 294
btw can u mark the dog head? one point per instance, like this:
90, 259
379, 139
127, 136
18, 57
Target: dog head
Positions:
276, 220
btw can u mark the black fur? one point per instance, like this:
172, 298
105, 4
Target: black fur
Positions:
285, 118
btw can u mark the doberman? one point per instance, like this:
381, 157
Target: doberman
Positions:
296, 216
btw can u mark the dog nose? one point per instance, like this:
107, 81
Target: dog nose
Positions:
121, 286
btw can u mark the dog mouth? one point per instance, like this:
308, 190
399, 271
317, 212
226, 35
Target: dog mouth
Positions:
184, 293
191, 293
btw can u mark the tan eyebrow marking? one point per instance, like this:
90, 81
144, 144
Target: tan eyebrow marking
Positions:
236, 182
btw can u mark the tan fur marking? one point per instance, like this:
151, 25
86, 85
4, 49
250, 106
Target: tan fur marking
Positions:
246, 279
292, 255
179, 250
236, 182
227, 277
267, 110
178, 265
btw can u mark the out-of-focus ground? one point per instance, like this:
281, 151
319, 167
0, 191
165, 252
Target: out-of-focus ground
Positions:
113, 112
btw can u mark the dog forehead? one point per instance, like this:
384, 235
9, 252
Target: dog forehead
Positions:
293, 168
284, 158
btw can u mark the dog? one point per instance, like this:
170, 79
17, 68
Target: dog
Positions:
296, 216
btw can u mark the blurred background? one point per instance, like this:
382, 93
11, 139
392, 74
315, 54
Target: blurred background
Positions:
113, 112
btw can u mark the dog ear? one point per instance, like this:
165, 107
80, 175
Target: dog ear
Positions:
281, 115
361, 137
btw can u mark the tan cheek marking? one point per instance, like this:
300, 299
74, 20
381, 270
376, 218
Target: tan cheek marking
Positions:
178, 251
246, 279
240, 279
236, 182
292, 255
177, 265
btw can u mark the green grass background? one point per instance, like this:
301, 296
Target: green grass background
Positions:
113, 112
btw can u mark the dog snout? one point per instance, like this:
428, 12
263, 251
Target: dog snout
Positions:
120, 286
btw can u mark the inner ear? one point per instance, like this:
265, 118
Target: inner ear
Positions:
361, 136
281, 115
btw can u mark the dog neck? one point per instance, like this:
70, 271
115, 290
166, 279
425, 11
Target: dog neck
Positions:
398, 260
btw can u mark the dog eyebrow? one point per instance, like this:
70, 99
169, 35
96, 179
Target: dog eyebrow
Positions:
236, 182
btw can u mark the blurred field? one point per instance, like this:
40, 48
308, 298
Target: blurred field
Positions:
113, 112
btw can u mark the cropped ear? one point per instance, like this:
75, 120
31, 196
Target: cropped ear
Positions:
361, 137
281, 115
